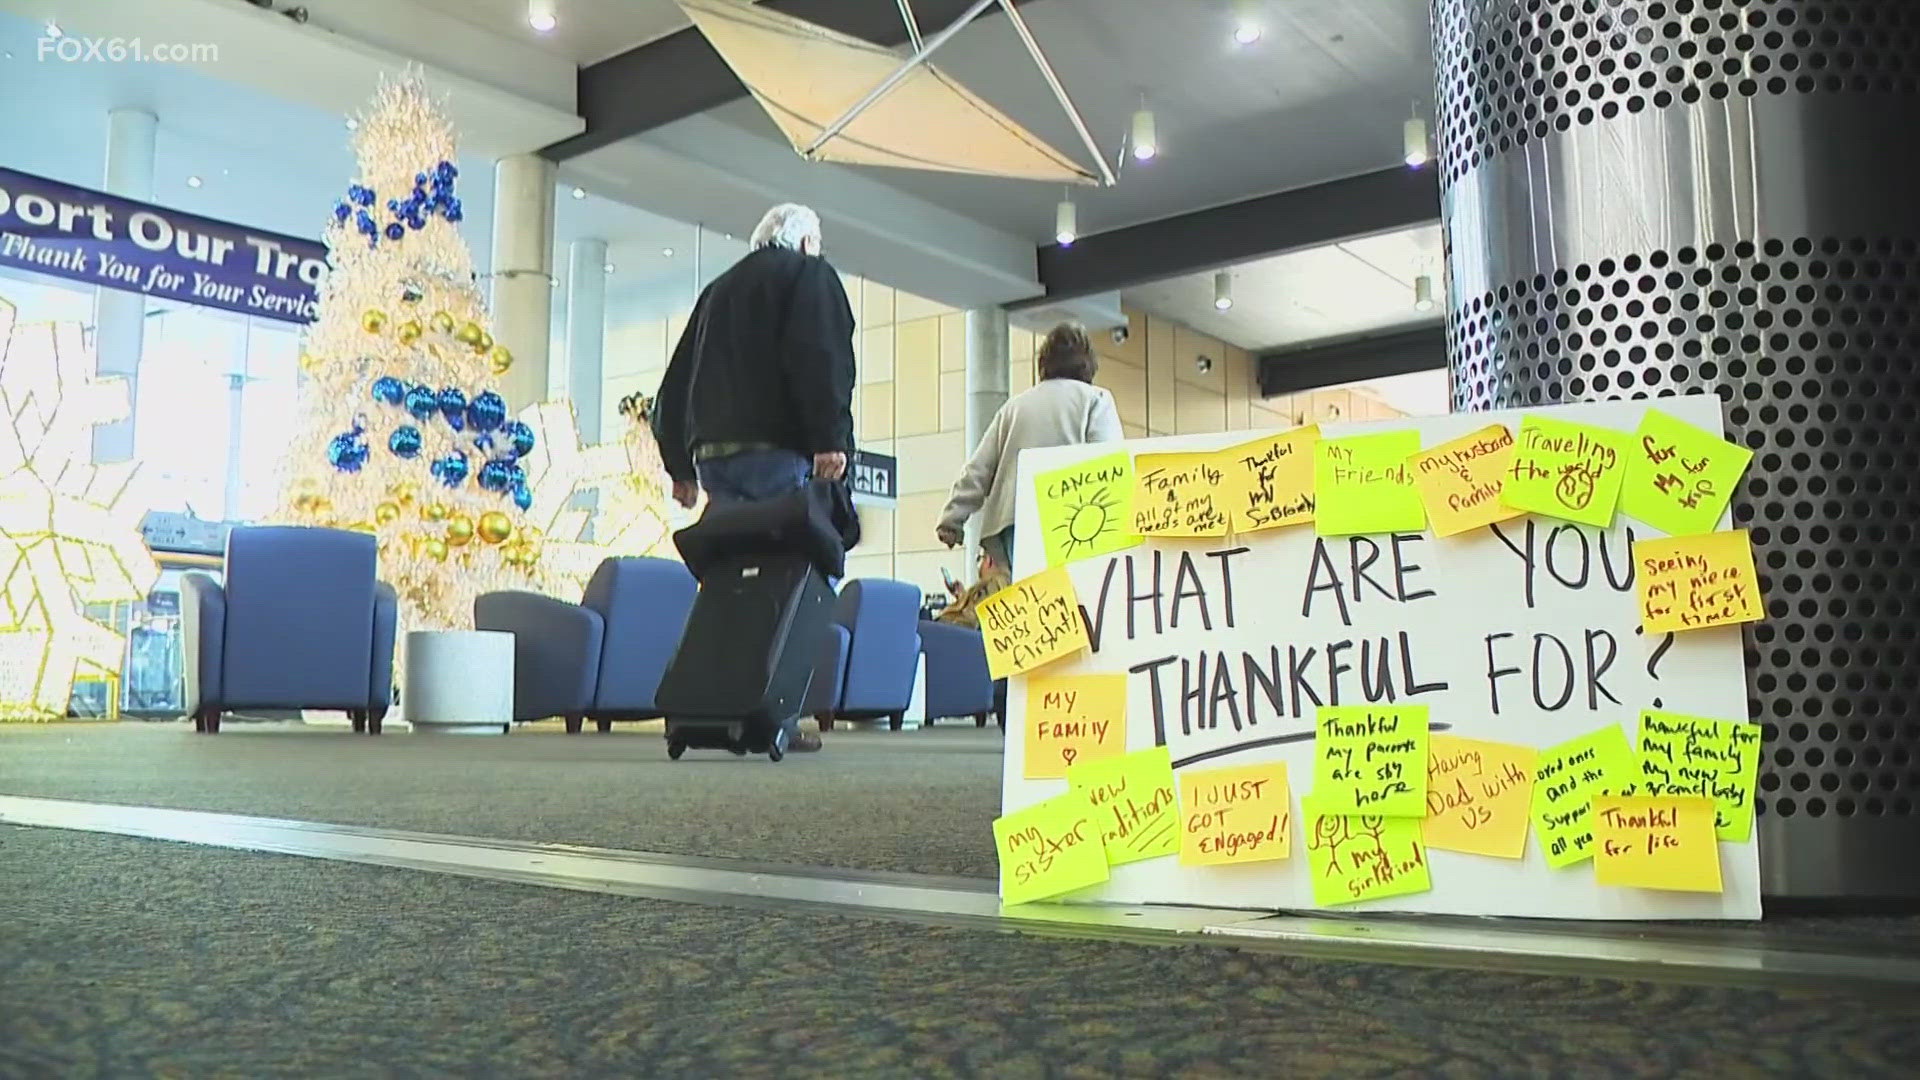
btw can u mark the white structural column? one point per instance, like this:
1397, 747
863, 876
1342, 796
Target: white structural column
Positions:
120, 317
587, 335
988, 377
523, 274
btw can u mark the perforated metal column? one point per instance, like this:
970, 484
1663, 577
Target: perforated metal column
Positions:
1648, 198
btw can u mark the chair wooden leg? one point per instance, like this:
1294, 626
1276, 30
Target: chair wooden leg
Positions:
200, 723
359, 718
212, 717
826, 722
374, 720
980, 719
604, 725
574, 723
896, 722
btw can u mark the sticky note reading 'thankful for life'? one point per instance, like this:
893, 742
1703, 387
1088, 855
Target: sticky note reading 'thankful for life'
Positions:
1693, 755
1048, 849
1656, 842
1479, 796
1032, 623
1566, 470
1073, 718
1084, 508
1180, 495
1270, 481
1695, 582
1239, 815
1565, 781
1680, 477
1371, 759
1133, 803
1460, 481
1361, 484
1354, 857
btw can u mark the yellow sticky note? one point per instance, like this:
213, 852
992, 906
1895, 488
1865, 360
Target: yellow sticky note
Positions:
1371, 759
1656, 842
1084, 508
1680, 477
1133, 804
1353, 857
1180, 495
1565, 781
1242, 814
1693, 582
1479, 796
1565, 470
1074, 718
1361, 484
1459, 481
1049, 848
1694, 755
1270, 481
1032, 623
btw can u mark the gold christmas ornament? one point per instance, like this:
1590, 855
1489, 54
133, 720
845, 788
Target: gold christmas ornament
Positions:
404, 493
410, 331
435, 548
435, 512
373, 320
501, 359
442, 323
495, 527
469, 335
485, 343
460, 531
385, 513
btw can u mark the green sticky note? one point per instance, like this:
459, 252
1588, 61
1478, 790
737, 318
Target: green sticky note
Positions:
1371, 759
1355, 857
1048, 849
1085, 508
1133, 804
1694, 755
1568, 471
1362, 484
1566, 779
1680, 477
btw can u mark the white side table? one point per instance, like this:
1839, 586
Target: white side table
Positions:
459, 682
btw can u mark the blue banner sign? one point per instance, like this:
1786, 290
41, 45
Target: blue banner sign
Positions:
100, 239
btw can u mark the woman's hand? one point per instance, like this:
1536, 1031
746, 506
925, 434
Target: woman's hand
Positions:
950, 535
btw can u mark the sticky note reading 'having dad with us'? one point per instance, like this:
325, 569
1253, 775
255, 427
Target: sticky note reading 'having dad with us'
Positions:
1565, 781
1696, 582
1133, 803
1354, 857
1371, 759
1656, 842
1693, 755
1270, 481
1479, 796
1680, 477
1073, 718
1032, 623
1180, 495
1460, 481
1361, 484
1236, 815
1084, 508
1048, 849
1566, 470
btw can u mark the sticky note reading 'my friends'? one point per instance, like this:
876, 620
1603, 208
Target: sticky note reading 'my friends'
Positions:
1032, 623
1073, 718
1361, 484
1565, 470
1479, 796
1371, 759
1236, 815
1354, 857
1656, 842
1133, 803
1694, 755
1180, 495
1565, 782
1270, 481
1048, 849
1084, 508
1680, 477
1460, 481
1696, 582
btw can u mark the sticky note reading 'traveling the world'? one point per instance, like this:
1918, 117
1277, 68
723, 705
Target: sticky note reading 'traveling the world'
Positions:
1270, 481
1680, 477
1460, 481
1656, 842
1133, 803
1180, 495
1238, 815
1479, 796
1084, 508
1696, 582
1032, 623
1048, 849
1353, 857
1073, 718
1361, 484
1565, 781
1371, 759
1565, 470
1693, 755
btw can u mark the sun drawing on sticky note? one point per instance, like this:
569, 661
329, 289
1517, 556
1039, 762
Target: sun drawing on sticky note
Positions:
1088, 519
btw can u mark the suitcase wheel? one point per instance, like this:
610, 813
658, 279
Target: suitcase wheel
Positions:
777, 746
675, 747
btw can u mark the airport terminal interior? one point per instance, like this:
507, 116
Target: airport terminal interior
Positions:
1327, 538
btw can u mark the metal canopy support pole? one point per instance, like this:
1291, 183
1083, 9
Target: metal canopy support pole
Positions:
887, 85
913, 25
1059, 91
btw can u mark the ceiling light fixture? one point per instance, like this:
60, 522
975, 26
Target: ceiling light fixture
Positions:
667, 252
540, 15
1423, 292
1146, 141
1222, 291
579, 193
193, 181
607, 268
1066, 223
1246, 22
1413, 137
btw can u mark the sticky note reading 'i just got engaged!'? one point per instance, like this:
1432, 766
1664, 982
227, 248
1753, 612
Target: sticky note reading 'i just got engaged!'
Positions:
1656, 842
1073, 718
1693, 755
1565, 782
1355, 857
1696, 582
1371, 759
1237, 815
1048, 849
1361, 484
1566, 470
1032, 623
1479, 796
1460, 481
1270, 481
1084, 508
1680, 477
1180, 495
1133, 803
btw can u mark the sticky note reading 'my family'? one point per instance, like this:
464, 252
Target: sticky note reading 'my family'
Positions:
1680, 477
1361, 484
1048, 849
1270, 481
1073, 718
1656, 842
1371, 759
1180, 495
1238, 815
1694, 755
1696, 582
1354, 857
1133, 803
1084, 508
1566, 470
1460, 481
1032, 623
1565, 782
1479, 796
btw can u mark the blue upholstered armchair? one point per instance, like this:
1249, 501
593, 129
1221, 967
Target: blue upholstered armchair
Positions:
873, 656
957, 680
299, 622
602, 658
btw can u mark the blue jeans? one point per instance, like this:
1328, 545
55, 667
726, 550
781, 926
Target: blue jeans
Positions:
753, 476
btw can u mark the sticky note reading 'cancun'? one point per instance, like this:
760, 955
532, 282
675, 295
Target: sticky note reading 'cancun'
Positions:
1460, 481
1180, 495
1048, 849
1680, 477
1371, 759
1694, 582
1565, 781
1238, 815
1032, 623
1133, 804
1073, 718
1270, 481
1693, 755
1361, 484
1566, 470
1084, 508
1353, 857
1656, 842
1479, 796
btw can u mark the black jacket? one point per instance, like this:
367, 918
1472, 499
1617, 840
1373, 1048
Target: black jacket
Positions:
767, 357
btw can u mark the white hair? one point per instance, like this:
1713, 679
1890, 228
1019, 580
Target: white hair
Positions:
788, 225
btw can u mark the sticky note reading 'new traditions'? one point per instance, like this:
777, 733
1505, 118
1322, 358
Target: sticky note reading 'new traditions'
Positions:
1353, 857
1565, 781
1695, 582
1566, 470
1180, 495
1073, 718
1032, 623
1242, 814
1133, 804
1680, 477
1371, 759
1693, 755
1460, 481
1270, 481
1361, 484
1048, 849
1479, 796
1656, 842
1084, 508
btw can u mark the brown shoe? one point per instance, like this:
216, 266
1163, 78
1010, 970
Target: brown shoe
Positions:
803, 742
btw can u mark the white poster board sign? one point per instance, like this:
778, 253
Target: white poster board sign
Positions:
1527, 632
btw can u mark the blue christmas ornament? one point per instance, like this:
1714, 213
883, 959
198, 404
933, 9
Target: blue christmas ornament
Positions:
405, 441
453, 402
419, 178
348, 451
522, 498
353, 193
453, 211
521, 438
416, 222
445, 172
484, 443
388, 390
457, 421
361, 195
518, 474
422, 402
452, 469
393, 205
396, 231
341, 211
487, 412
496, 475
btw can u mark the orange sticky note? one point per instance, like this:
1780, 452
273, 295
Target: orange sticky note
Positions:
1693, 582
1242, 814
1656, 842
1049, 848
1460, 481
1179, 495
1032, 623
1479, 796
1270, 480
1071, 719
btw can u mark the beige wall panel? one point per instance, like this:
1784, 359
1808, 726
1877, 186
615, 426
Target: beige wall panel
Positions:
953, 342
931, 462
876, 413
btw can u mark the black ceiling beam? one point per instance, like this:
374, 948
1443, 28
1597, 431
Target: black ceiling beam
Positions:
680, 75
1224, 236
1420, 349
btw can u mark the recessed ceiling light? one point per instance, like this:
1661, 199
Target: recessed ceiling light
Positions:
1246, 22
579, 193
193, 181
540, 15
607, 268
668, 252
